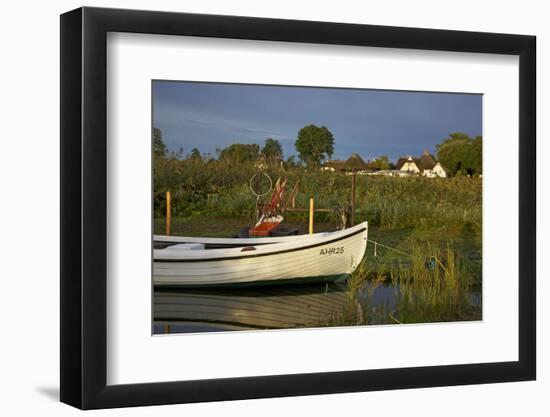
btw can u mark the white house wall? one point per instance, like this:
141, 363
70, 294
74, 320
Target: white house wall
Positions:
439, 171
410, 166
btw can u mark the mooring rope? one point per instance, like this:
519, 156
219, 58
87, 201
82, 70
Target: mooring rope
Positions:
404, 253
388, 247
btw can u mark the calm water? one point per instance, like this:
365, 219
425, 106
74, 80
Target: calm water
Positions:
270, 307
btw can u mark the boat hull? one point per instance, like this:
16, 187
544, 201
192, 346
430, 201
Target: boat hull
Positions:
253, 283
327, 256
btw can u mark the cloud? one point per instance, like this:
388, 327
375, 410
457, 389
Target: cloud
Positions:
370, 122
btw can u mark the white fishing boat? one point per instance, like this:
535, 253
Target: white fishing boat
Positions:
304, 258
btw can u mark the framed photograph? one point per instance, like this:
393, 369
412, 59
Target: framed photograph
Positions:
257, 208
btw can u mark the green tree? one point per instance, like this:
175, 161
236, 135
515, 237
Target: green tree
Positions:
382, 162
272, 150
291, 162
195, 155
461, 154
240, 152
159, 148
314, 144
477, 154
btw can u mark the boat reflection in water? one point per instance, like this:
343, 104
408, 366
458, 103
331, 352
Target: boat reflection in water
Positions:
269, 307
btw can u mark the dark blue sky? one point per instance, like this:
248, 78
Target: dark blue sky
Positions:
369, 122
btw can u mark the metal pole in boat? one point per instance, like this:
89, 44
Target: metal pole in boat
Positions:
311, 210
168, 212
353, 178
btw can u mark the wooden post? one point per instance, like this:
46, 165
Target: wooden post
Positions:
168, 212
353, 178
311, 211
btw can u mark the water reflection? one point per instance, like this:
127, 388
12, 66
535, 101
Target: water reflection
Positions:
270, 307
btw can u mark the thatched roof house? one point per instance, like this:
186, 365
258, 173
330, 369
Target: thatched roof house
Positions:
353, 164
425, 165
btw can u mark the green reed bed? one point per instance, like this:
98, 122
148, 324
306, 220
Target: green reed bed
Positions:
435, 287
432, 285
220, 189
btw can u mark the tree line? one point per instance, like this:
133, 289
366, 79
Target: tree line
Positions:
314, 144
459, 153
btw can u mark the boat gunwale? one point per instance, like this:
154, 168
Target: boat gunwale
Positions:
269, 253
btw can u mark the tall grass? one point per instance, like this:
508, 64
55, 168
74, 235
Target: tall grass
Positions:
435, 287
432, 286
220, 189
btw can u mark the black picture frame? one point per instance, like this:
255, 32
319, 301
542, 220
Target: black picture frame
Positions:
84, 207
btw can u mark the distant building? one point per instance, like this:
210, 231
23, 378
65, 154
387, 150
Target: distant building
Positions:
408, 164
390, 173
353, 164
426, 165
